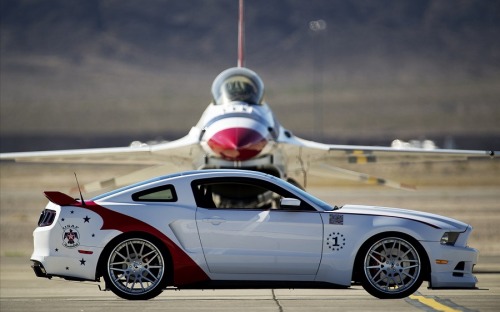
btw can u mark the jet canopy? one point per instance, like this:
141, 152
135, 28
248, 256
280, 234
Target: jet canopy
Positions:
238, 84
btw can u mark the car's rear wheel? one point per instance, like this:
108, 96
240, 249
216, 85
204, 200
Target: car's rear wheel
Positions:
136, 269
392, 268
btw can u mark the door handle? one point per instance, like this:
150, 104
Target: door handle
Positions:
214, 220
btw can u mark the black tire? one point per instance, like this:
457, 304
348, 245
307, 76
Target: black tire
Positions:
391, 267
135, 269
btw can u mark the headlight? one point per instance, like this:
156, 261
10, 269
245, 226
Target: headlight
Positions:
449, 238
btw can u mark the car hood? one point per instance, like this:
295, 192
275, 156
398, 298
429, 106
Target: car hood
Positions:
435, 220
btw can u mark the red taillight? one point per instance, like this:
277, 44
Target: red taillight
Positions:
46, 217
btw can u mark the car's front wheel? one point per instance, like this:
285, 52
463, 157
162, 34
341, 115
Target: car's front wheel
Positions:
392, 268
136, 269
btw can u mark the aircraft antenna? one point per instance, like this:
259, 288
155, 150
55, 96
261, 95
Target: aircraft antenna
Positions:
241, 37
79, 190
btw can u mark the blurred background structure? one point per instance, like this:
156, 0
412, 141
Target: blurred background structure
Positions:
99, 73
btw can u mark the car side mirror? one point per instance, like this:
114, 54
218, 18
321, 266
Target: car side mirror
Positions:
290, 204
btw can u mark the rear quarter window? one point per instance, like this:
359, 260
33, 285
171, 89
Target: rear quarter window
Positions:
164, 193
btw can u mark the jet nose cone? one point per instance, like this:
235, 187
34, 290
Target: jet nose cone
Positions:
237, 143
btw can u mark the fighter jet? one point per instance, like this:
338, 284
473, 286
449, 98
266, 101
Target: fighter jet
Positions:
239, 130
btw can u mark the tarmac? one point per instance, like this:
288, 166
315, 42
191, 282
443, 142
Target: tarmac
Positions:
21, 290
473, 198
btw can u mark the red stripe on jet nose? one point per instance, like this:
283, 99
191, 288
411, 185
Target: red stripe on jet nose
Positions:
237, 143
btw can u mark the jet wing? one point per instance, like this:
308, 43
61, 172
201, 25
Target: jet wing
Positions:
178, 151
323, 160
308, 152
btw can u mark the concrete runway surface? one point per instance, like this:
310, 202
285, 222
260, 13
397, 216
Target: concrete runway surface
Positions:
468, 193
20, 290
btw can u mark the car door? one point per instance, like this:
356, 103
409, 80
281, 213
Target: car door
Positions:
244, 231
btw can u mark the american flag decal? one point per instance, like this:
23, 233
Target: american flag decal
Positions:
336, 219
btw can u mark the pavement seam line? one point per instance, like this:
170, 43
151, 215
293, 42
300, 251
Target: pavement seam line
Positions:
277, 301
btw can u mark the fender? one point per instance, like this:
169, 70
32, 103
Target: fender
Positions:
186, 271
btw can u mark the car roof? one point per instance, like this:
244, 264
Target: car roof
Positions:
211, 172
198, 173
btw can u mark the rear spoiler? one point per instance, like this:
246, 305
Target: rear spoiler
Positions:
61, 199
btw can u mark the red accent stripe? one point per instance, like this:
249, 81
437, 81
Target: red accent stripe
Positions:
186, 271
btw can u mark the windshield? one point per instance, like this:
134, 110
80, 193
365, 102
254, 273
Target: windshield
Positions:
303, 194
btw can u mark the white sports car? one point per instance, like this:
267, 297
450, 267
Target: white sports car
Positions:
240, 229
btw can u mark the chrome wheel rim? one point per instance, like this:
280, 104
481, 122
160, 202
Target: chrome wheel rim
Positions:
136, 266
392, 265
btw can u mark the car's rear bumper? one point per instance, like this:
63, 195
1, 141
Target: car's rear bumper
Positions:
51, 257
39, 269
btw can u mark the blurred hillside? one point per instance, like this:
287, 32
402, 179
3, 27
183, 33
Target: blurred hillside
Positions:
103, 73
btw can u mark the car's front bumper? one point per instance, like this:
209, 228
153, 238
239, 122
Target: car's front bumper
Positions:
451, 266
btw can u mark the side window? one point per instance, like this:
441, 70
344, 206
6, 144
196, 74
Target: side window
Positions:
239, 194
164, 193
235, 195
